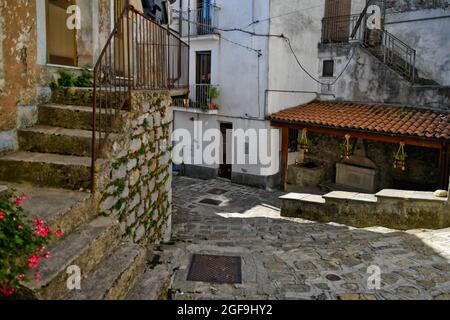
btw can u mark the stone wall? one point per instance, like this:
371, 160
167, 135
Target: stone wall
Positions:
422, 169
397, 209
134, 184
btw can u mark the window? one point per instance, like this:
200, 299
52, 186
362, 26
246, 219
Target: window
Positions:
328, 68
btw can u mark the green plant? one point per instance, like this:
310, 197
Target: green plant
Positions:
84, 80
66, 79
213, 93
22, 244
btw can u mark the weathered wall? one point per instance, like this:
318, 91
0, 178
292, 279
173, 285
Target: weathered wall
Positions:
18, 69
422, 167
135, 183
428, 32
413, 5
367, 79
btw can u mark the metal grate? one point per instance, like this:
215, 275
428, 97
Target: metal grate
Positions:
215, 269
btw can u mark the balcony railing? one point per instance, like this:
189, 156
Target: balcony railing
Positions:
201, 96
339, 29
200, 22
139, 55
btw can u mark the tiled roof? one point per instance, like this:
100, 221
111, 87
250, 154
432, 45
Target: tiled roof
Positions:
377, 118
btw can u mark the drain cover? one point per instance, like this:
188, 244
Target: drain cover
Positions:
215, 269
217, 191
212, 202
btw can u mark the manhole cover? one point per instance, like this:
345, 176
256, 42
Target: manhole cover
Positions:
217, 191
215, 269
212, 202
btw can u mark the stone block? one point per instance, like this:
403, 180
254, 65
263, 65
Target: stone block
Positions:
359, 178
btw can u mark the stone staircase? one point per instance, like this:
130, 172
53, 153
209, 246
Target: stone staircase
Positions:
53, 167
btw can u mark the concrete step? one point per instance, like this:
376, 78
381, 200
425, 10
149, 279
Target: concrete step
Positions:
47, 139
84, 248
153, 285
115, 275
46, 170
59, 208
71, 116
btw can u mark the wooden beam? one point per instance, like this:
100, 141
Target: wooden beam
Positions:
389, 138
284, 157
443, 166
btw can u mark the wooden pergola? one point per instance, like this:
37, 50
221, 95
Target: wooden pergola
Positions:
314, 118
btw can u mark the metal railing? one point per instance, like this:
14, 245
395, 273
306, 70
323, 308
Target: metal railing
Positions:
139, 55
388, 48
201, 96
200, 21
340, 29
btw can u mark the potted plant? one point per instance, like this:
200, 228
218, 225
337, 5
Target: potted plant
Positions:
213, 94
346, 148
400, 158
304, 142
400, 161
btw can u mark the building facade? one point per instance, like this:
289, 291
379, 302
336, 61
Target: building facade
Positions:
256, 74
266, 56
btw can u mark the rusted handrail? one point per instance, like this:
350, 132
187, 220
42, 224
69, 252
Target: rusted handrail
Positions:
138, 55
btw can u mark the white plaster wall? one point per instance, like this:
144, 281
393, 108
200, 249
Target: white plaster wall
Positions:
186, 120
430, 38
303, 28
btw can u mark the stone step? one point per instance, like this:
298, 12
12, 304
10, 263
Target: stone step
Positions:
46, 170
115, 275
47, 139
153, 285
71, 116
85, 248
59, 208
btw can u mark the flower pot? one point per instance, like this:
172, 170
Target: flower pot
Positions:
400, 164
212, 106
346, 154
304, 146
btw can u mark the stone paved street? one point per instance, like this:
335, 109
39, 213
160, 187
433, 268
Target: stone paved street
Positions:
297, 259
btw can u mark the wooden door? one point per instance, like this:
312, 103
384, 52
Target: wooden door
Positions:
337, 20
225, 168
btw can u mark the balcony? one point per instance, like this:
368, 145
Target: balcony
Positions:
201, 23
202, 98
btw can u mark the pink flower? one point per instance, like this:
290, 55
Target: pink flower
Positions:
34, 260
7, 292
42, 231
38, 222
47, 255
21, 277
59, 233
2, 215
42, 249
21, 199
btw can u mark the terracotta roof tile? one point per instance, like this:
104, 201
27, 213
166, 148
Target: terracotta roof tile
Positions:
370, 117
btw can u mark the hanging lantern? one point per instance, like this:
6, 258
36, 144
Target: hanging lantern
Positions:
304, 142
400, 157
347, 148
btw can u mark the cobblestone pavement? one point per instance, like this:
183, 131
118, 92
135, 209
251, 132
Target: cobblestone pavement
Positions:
298, 259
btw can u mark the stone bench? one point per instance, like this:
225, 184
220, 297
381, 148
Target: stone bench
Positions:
389, 208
